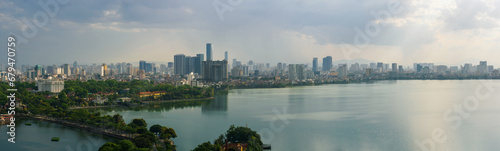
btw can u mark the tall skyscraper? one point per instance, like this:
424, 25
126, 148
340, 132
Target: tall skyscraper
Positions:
209, 52
380, 67
315, 64
142, 65
104, 70
179, 61
225, 56
170, 64
67, 69
327, 63
483, 67
215, 71
394, 68
198, 63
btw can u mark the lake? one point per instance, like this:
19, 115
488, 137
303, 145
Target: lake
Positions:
385, 115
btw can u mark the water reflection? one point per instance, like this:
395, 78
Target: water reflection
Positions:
219, 104
155, 106
296, 100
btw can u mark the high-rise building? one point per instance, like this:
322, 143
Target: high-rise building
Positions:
380, 67
296, 72
150, 68
215, 71
467, 68
400, 69
315, 64
198, 63
355, 68
490, 68
38, 70
163, 68
188, 65
130, 69
327, 63
441, 69
342, 70
170, 64
179, 63
209, 52
419, 68
104, 70
67, 69
225, 56
75, 65
483, 67
142, 65
394, 67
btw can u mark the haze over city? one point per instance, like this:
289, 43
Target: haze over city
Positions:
443, 32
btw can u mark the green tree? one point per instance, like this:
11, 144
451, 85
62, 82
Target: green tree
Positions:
117, 118
206, 146
241, 134
126, 145
110, 146
167, 133
138, 123
142, 141
155, 129
142, 130
62, 96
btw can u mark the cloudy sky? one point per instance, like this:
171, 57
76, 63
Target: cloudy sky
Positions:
446, 32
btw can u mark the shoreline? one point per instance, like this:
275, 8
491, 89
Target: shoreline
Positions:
143, 103
362, 81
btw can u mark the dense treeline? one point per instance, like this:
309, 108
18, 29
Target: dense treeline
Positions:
81, 89
77, 93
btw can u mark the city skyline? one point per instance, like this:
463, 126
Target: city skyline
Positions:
449, 32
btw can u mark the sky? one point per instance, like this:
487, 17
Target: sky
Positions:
448, 32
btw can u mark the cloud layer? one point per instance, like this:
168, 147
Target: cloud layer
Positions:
293, 31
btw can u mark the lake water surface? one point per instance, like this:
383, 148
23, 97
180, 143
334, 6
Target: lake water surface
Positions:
450, 115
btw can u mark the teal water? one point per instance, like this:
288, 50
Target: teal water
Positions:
386, 115
38, 136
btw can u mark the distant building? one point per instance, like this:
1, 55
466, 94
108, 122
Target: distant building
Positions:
67, 69
327, 63
495, 73
142, 65
179, 61
380, 67
394, 67
54, 86
467, 68
483, 67
104, 70
225, 55
441, 69
296, 72
198, 63
315, 64
342, 70
209, 52
369, 72
215, 71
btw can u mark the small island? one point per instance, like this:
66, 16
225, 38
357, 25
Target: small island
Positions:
55, 139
